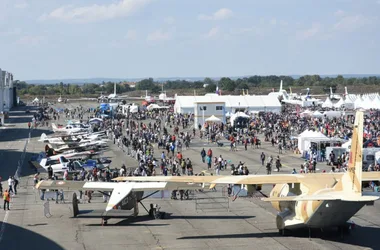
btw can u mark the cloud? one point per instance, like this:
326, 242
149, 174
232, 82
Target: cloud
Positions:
21, 5
340, 13
11, 32
170, 20
30, 40
350, 23
131, 35
95, 12
213, 32
158, 35
221, 14
314, 30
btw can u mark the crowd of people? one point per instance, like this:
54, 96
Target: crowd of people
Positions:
157, 141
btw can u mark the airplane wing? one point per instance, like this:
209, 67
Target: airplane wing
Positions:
325, 197
119, 190
371, 176
241, 179
245, 179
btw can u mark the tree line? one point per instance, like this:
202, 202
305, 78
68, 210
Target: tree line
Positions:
210, 85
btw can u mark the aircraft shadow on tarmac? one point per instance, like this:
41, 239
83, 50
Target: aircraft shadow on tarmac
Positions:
31, 240
130, 221
10, 159
16, 134
359, 236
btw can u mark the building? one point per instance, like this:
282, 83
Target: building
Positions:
7, 96
203, 110
231, 104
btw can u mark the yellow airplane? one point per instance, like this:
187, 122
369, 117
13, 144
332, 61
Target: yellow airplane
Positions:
318, 200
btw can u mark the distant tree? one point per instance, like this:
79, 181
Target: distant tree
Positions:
146, 84
211, 88
227, 84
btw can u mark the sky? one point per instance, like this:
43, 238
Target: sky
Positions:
56, 39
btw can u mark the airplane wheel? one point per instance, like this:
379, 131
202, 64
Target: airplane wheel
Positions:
104, 222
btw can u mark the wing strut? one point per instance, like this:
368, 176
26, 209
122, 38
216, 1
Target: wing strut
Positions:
155, 192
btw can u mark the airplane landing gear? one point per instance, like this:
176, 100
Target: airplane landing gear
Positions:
104, 222
284, 232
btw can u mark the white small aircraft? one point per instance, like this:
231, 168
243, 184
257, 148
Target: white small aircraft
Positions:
114, 96
73, 139
69, 129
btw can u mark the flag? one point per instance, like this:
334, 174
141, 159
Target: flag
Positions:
217, 90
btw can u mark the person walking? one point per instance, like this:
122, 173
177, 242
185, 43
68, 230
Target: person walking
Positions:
15, 184
262, 157
203, 155
10, 184
7, 199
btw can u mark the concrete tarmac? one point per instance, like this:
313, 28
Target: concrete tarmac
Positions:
217, 223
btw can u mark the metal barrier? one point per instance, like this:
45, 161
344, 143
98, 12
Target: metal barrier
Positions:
215, 202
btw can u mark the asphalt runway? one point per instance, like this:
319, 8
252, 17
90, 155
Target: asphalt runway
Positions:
218, 223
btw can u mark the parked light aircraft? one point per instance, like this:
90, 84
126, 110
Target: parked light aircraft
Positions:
69, 129
113, 96
312, 200
60, 164
73, 139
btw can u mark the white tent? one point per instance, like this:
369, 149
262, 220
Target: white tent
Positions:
213, 118
241, 114
349, 102
332, 114
317, 114
339, 104
306, 137
36, 100
358, 103
306, 113
236, 115
327, 103
152, 106
134, 109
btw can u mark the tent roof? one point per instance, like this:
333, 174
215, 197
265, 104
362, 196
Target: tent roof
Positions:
339, 103
213, 118
312, 134
327, 103
317, 114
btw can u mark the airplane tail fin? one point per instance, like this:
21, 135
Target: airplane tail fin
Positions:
43, 137
352, 180
54, 127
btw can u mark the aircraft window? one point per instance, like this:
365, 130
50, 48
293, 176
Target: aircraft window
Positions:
77, 165
52, 162
63, 159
